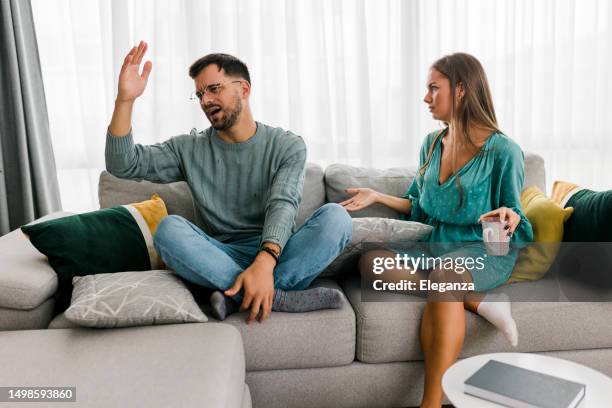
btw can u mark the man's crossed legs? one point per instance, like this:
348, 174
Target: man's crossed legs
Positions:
203, 260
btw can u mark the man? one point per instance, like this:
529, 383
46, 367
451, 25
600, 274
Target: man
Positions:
247, 180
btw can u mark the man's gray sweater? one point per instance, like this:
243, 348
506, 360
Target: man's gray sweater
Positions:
239, 188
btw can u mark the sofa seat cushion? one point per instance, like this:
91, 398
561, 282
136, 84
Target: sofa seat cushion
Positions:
26, 278
389, 331
323, 338
186, 365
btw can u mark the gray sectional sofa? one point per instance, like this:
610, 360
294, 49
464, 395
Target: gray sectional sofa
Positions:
365, 354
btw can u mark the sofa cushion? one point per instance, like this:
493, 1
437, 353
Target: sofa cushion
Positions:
37, 318
323, 338
395, 181
354, 385
313, 195
535, 174
185, 365
389, 331
127, 299
26, 278
114, 191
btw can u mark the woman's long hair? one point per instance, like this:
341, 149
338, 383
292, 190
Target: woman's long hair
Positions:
473, 109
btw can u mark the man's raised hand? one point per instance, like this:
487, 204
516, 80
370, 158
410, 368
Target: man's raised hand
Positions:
132, 83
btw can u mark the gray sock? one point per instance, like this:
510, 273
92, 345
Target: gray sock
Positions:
306, 300
222, 306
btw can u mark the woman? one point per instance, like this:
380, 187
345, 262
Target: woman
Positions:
467, 171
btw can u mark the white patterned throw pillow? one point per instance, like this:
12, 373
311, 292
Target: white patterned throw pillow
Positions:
126, 299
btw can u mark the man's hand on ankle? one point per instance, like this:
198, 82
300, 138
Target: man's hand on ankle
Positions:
258, 283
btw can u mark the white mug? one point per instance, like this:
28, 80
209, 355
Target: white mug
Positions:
495, 237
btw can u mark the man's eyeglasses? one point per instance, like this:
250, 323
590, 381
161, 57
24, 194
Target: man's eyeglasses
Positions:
212, 89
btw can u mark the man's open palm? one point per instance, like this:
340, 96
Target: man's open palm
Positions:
132, 83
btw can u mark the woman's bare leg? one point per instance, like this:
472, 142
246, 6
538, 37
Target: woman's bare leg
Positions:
442, 336
446, 320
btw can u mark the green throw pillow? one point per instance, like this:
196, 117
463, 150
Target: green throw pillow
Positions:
109, 240
592, 217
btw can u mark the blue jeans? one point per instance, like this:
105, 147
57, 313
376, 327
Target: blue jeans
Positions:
205, 261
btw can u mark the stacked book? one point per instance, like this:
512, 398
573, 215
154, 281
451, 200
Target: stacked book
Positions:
521, 388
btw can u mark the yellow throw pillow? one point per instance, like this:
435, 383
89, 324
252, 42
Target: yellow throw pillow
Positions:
148, 214
152, 211
562, 191
546, 218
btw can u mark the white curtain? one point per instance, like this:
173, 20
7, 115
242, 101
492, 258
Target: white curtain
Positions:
349, 76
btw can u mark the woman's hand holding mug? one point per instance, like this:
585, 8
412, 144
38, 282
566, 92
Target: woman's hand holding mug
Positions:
506, 214
497, 229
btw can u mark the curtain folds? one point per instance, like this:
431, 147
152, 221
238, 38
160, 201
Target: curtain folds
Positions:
347, 75
28, 181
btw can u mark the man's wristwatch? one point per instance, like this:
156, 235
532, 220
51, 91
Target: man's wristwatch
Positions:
272, 252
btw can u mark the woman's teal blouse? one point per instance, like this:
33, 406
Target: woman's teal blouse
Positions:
491, 179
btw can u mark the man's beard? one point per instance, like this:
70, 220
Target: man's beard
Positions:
230, 116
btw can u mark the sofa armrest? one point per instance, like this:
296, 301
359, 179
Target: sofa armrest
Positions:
26, 278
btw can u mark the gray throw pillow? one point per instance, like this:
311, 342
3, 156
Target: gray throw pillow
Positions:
375, 230
126, 299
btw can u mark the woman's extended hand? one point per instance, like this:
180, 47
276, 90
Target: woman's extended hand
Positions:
507, 214
361, 198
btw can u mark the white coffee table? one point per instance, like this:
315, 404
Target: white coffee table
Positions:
598, 385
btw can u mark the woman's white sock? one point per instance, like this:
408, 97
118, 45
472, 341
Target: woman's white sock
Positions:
496, 309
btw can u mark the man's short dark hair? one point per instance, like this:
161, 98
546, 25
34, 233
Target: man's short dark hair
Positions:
228, 63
